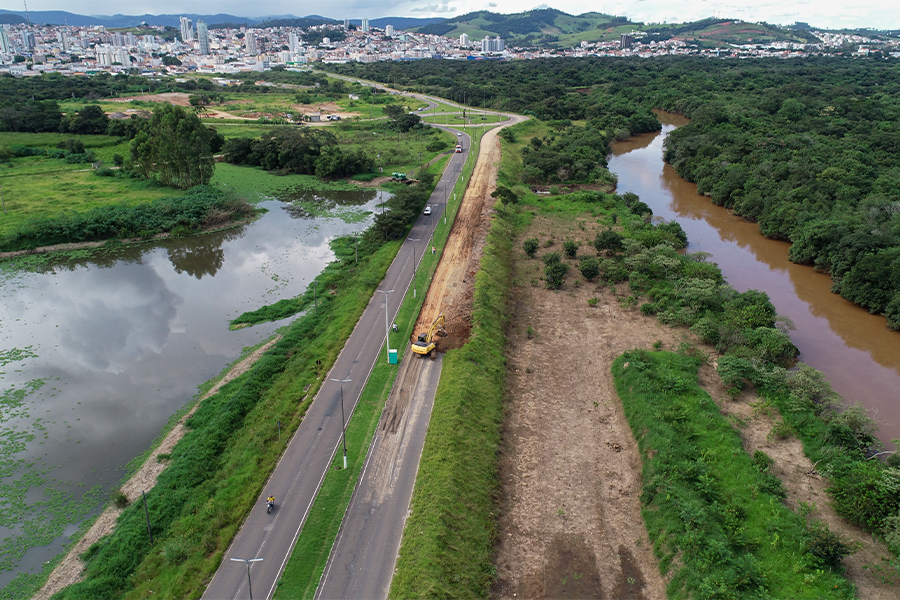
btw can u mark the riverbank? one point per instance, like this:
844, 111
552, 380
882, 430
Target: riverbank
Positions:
70, 570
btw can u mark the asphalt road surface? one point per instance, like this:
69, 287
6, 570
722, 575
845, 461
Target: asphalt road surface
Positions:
300, 472
362, 561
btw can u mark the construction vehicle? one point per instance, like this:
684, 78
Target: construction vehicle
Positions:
426, 343
398, 177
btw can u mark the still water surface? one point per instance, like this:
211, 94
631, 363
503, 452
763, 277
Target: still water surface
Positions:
100, 352
854, 349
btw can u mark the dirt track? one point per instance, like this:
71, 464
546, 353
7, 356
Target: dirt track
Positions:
451, 289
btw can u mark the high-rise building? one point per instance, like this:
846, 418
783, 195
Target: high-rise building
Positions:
625, 41
118, 40
5, 46
464, 41
29, 41
389, 30
293, 42
365, 25
346, 23
203, 37
492, 45
63, 41
250, 42
187, 32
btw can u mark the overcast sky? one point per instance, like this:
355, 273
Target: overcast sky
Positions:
880, 14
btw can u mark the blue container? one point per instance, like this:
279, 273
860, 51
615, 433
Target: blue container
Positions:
392, 357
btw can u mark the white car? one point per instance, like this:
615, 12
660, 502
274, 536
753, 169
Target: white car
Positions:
427, 210
458, 134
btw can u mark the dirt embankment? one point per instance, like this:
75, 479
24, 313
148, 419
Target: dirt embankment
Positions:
70, 569
451, 288
570, 523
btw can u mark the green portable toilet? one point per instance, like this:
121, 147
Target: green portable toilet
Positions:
392, 356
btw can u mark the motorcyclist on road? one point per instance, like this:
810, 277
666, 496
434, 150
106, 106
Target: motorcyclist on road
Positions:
270, 500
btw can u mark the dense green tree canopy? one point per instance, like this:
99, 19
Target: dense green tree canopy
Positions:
175, 148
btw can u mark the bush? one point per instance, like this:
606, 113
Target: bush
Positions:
551, 258
531, 247
555, 273
608, 240
826, 546
589, 267
570, 247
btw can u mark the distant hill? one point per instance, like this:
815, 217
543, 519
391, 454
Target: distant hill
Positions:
554, 28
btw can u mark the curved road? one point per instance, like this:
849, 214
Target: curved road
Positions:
299, 474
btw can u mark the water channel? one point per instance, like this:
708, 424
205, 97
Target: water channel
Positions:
859, 355
97, 353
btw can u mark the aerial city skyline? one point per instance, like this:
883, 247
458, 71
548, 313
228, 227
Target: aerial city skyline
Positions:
824, 14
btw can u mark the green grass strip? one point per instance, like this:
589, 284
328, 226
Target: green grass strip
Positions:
715, 518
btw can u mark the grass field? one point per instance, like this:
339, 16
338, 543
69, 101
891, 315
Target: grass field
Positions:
713, 513
40, 186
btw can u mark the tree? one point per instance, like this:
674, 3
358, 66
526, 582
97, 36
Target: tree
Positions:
90, 120
530, 246
608, 240
505, 194
174, 149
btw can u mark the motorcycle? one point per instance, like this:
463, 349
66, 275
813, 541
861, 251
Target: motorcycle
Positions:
270, 504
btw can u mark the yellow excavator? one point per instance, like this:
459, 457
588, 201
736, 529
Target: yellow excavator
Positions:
426, 344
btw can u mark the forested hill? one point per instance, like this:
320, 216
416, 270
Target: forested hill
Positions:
551, 27
808, 148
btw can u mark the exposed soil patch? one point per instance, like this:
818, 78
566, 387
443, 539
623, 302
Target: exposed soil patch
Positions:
180, 99
570, 468
451, 289
869, 568
70, 569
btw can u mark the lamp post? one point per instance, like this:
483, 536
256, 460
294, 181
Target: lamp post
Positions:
343, 421
247, 561
387, 339
415, 263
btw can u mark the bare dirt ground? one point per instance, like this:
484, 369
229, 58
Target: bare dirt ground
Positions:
451, 287
570, 522
70, 569
178, 99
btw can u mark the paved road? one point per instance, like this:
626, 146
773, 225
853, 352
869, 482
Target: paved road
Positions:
362, 561
298, 475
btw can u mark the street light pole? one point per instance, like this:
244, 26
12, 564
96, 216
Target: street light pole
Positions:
415, 263
248, 561
387, 339
343, 421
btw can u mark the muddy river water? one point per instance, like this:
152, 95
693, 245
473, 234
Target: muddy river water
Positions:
855, 350
97, 353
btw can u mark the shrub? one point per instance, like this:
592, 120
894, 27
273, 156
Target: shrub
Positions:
589, 267
570, 247
555, 274
120, 499
826, 546
551, 258
531, 247
608, 240
613, 271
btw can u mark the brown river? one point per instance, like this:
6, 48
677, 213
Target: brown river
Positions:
857, 352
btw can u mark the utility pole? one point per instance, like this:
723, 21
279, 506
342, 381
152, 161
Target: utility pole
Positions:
343, 420
387, 339
415, 263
